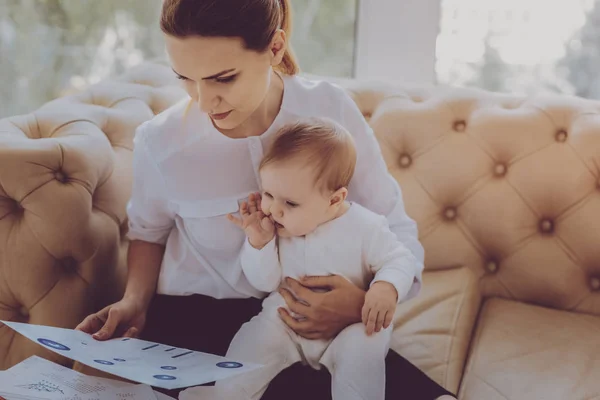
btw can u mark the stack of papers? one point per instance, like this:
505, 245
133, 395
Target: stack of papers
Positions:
39, 379
150, 363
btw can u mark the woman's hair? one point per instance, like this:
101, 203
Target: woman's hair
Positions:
322, 144
255, 21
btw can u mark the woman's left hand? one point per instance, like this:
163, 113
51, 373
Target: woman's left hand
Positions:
324, 314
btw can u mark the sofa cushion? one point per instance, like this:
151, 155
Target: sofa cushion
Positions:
528, 352
433, 330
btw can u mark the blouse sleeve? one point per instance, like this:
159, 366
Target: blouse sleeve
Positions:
150, 218
373, 187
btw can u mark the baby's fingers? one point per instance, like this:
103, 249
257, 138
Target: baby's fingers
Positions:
259, 201
235, 220
380, 320
371, 321
252, 203
388, 319
267, 224
365, 313
244, 209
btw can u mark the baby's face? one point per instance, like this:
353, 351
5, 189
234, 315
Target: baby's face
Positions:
292, 199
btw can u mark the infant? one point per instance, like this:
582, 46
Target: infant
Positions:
302, 224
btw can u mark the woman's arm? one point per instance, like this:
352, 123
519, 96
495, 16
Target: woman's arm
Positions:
143, 267
150, 222
127, 317
373, 186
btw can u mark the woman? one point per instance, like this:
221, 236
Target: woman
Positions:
193, 164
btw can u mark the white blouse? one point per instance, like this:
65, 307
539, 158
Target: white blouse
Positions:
188, 176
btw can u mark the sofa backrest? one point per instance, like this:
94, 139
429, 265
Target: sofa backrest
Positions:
507, 186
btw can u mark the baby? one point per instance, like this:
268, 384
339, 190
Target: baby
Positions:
300, 225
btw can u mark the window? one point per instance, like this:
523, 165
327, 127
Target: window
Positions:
323, 36
54, 47
521, 46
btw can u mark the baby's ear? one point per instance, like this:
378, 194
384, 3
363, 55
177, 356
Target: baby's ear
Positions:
338, 197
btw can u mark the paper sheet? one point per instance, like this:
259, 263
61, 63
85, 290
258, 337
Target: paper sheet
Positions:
120, 384
140, 361
37, 379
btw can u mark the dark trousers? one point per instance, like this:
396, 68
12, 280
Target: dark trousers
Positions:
208, 325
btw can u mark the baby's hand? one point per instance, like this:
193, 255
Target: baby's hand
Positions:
258, 227
380, 305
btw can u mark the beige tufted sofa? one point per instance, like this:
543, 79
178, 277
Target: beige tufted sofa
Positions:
505, 189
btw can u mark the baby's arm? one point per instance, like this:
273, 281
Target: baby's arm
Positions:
259, 258
395, 269
261, 267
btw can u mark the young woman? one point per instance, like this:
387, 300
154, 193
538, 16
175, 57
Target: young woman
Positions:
195, 162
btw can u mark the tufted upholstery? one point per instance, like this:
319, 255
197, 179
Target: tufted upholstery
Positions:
65, 177
508, 187
505, 190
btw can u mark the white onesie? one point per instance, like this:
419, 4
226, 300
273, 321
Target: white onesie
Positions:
358, 246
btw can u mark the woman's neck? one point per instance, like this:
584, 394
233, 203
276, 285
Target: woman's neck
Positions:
265, 114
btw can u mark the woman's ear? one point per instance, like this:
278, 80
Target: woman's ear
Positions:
338, 197
278, 47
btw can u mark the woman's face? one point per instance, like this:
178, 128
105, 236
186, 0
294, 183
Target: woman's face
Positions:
227, 81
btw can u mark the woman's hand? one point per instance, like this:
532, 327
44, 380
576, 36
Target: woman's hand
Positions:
259, 228
125, 318
324, 314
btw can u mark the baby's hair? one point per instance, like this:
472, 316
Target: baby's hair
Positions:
322, 144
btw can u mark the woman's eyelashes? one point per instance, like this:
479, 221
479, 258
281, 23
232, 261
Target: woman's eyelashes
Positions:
227, 79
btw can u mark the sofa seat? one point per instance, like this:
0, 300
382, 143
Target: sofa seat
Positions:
526, 352
434, 329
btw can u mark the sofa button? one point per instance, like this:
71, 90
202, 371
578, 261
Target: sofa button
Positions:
500, 170
14, 206
450, 213
60, 176
460, 126
595, 284
491, 266
405, 161
546, 226
561, 136
24, 312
